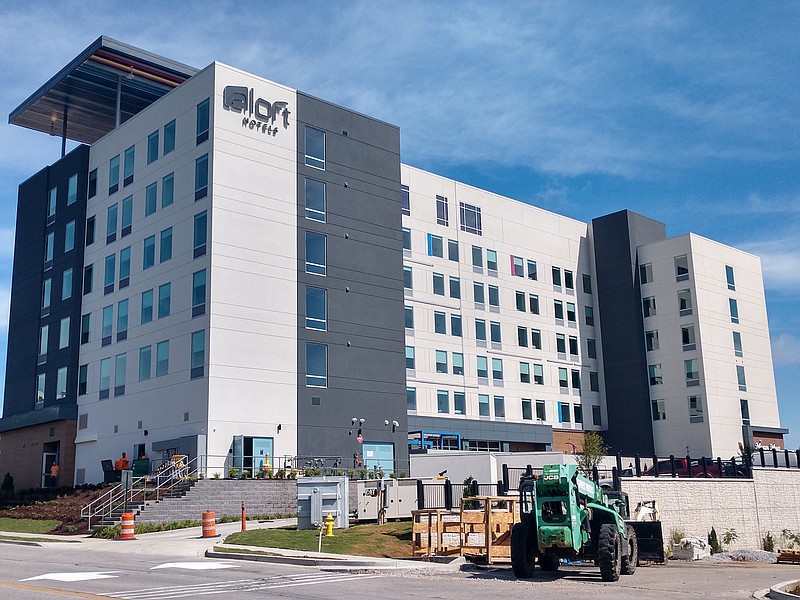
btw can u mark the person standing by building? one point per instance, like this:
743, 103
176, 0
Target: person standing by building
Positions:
122, 463
54, 475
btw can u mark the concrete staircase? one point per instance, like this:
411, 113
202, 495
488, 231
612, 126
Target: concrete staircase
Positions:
115, 516
224, 497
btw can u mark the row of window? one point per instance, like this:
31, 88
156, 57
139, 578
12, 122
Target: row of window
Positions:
681, 264
685, 306
52, 197
50, 242
691, 369
695, 405
688, 340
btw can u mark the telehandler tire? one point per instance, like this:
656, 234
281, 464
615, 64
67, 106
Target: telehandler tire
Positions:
523, 546
549, 563
608, 552
630, 561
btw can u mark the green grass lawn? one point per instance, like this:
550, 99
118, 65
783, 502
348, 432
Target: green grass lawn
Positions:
27, 525
389, 540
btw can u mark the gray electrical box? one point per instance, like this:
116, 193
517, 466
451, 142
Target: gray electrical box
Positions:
318, 497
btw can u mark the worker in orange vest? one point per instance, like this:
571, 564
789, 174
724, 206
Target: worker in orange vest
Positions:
121, 464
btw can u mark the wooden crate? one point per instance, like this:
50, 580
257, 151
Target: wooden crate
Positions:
432, 529
486, 529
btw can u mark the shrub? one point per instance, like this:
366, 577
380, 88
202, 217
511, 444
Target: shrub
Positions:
768, 543
676, 535
233, 473
729, 537
713, 542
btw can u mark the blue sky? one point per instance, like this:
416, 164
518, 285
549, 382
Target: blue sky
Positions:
685, 112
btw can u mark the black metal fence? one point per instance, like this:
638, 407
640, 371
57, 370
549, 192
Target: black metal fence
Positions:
448, 495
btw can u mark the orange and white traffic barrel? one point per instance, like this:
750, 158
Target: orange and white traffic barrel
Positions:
209, 524
126, 532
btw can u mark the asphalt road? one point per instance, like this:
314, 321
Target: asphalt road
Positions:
103, 571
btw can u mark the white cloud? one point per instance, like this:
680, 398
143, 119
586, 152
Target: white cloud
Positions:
786, 350
6, 243
780, 262
5, 306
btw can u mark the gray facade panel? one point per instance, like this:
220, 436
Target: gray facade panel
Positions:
494, 431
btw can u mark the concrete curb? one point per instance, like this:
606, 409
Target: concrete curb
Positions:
777, 592
20, 543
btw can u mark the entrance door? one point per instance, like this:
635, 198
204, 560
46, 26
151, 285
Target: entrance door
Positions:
379, 455
48, 458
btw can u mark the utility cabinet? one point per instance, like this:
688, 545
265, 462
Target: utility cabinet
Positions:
318, 497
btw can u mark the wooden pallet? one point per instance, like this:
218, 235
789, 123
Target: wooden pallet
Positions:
789, 555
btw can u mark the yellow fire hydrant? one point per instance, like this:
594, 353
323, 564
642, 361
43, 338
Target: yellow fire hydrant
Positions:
328, 525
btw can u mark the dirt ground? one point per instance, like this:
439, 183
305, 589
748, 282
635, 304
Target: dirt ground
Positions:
66, 509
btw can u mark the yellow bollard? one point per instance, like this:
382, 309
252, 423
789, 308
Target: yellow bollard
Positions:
329, 525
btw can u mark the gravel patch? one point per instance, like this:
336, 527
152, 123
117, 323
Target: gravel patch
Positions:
758, 556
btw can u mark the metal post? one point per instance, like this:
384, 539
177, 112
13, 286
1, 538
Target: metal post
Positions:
719, 467
505, 477
64, 133
475, 489
786, 455
656, 468
705, 467
529, 470
797, 452
244, 518
500, 488
615, 482
118, 111
761, 454
448, 495
637, 465
775, 458
672, 465
420, 495
619, 462
595, 474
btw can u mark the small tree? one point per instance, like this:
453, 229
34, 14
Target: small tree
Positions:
593, 451
713, 542
8, 486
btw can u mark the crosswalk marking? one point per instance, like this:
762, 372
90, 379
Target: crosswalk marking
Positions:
70, 577
206, 565
241, 585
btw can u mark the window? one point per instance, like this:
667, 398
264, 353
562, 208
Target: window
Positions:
594, 381
494, 296
538, 374
145, 362
113, 175
577, 412
649, 306
316, 307
410, 361
655, 374
480, 330
741, 378
408, 282
92, 192
315, 148
150, 199
107, 324
439, 322
597, 418
483, 405
744, 407
573, 345
571, 312
695, 409
459, 403
105, 377
199, 294
66, 284
69, 236
478, 293
536, 339
167, 190
90, 225
729, 277
517, 266
737, 343
588, 313
128, 165
646, 273
41, 380
44, 332
49, 244
438, 284
88, 279
83, 379
405, 200
569, 280
734, 308
688, 337
411, 398
532, 272
147, 307
591, 348
441, 361
201, 177
561, 343
557, 276
47, 284
316, 253
563, 412
558, 309
692, 372
533, 303
63, 333
122, 320
124, 267
111, 223
200, 233
169, 137
452, 250
435, 247
198, 354
455, 325
455, 287
315, 200
149, 253
406, 238
483, 367
527, 410
409, 317
524, 372
477, 257
201, 129
152, 147
165, 247
520, 301
442, 401
162, 358
494, 330
86, 327
458, 363
659, 413
651, 340
576, 379
587, 284
681, 268
522, 337
109, 273
541, 412
491, 260
120, 373
470, 218
127, 216
499, 407
497, 369
442, 211
684, 302
164, 300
